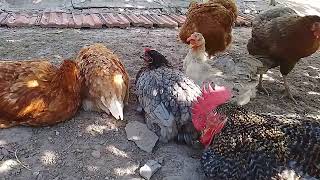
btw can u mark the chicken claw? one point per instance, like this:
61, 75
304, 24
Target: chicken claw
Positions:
287, 90
260, 86
264, 90
289, 95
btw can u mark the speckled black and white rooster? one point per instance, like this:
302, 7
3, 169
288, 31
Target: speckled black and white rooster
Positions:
166, 96
245, 145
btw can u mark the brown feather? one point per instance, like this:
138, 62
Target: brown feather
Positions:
104, 76
214, 20
36, 93
285, 40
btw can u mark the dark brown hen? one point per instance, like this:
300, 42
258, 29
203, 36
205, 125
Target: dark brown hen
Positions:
281, 38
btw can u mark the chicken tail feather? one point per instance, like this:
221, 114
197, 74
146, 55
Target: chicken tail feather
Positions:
115, 107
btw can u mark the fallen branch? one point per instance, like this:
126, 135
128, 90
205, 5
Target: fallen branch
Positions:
18, 160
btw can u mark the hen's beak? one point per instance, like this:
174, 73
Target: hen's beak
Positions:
192, 40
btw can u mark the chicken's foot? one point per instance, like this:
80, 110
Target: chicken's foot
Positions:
287, 90
260, 86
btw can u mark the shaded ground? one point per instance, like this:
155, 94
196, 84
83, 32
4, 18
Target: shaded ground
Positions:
93, 145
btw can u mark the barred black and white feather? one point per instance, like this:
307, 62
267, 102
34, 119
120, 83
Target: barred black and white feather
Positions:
259, 146
166, 95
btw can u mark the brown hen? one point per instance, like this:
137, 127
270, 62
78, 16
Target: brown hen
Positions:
214, 20
106, 82
36, 93
281, 38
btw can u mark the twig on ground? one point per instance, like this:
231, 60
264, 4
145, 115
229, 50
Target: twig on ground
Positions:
18, 160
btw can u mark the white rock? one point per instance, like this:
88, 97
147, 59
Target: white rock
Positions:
141, 135
149, 169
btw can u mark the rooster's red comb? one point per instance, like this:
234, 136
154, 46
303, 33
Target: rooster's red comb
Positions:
147, 49
207, 102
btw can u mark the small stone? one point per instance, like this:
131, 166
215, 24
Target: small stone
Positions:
79, 150
139, 109
57, 133
36, 173
141, 135
160, 160
149, 169
96, 154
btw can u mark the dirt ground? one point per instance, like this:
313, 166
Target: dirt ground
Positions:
93, 145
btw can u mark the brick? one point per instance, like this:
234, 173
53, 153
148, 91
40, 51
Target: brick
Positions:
21, 19
77, 19
156, 21
45, 19
180, 19
91, 21
169, 21
160, 21
138, 21
123, 19
115, 20
55, 19
97, 20
146, 22
71, 23
65, 18
3, 17
134, 20
164, 22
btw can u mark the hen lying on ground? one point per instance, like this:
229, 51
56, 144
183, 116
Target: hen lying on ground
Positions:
281, 38
196, 67
166, 96
214, 20
106, 82
247, 145
36, 93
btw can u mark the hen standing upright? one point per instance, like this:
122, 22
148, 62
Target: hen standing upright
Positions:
248, 145
106, 82
36, 93
214, 20
281, 38
166, 95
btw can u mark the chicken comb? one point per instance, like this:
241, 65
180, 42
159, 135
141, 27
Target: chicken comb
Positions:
207, 102
147, 49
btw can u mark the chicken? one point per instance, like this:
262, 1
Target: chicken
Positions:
166, 96
214, 20
246, 145
106, 81
36, 93
281, 38
196, 68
